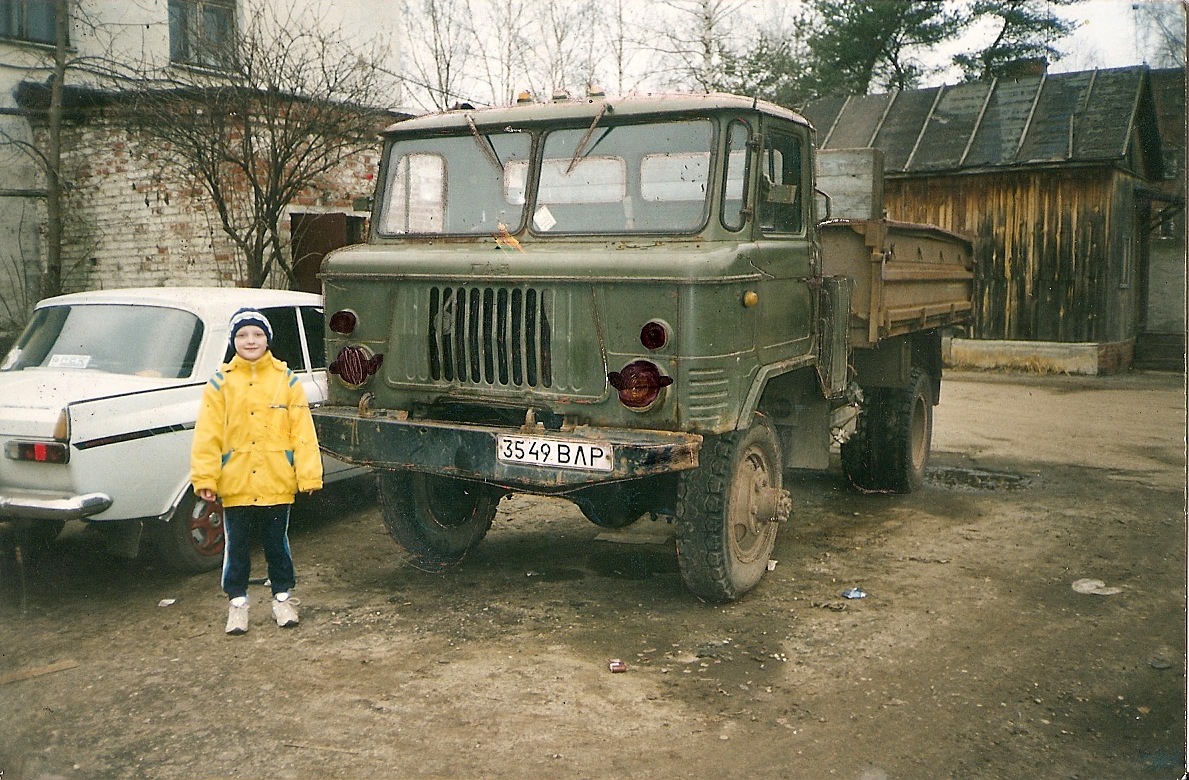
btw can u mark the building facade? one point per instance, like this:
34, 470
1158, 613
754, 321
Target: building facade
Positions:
128, 219
1057, 177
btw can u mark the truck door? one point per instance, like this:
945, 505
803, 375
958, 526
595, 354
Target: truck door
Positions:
783, 180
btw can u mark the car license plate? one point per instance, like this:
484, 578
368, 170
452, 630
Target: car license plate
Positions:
558, 453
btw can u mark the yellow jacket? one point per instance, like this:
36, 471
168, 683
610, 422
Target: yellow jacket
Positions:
254, 442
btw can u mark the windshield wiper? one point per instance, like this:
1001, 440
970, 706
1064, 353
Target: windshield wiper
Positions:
578, 153
485, 144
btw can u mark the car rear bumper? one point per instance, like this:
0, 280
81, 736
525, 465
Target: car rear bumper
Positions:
25, 507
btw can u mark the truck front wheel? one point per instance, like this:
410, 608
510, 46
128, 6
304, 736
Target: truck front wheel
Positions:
890, 448
729, 510
436, 520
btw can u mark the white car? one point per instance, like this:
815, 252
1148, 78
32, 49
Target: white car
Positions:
98, 400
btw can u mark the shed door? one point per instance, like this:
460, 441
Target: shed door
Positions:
316, 235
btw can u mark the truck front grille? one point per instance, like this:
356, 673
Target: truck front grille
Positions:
491, 335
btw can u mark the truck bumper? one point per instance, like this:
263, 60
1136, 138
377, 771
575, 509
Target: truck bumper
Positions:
469, 451
36, 508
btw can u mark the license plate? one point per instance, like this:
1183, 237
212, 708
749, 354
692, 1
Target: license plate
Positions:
557, 453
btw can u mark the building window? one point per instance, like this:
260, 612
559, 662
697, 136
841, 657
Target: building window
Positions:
202, 32
27, 20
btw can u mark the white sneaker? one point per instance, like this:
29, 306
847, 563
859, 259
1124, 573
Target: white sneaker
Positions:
285, 613
237, 619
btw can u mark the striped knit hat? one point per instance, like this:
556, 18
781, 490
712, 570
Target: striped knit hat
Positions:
249, 316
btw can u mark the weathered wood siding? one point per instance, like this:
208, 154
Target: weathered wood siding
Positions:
1054, 248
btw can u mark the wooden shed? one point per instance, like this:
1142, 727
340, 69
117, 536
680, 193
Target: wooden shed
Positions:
1051, 174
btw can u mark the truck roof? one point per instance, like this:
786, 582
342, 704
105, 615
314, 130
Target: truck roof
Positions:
587, 108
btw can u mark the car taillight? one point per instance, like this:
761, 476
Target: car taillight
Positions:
355, 365
37, 451
654, 335
639, 384
343, 322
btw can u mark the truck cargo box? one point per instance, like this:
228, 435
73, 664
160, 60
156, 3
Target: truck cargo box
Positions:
907, 277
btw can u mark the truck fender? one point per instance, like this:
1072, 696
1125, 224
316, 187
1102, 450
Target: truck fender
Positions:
755, 394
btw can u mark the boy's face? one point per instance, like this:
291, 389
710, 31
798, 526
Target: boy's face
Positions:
251, 342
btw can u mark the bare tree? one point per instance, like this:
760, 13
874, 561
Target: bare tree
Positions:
287, 105
439, 51
46, 154
563, 57
692, 43
502, 48
1162, 26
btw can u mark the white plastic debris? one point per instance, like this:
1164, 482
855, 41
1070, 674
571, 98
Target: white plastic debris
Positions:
1092, 587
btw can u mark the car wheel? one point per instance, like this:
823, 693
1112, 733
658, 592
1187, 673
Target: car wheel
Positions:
192, 539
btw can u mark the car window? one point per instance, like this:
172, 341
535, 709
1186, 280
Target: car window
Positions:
313, 322
154, 341
286, 343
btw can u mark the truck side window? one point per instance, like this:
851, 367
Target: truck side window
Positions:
780, 180
735, 177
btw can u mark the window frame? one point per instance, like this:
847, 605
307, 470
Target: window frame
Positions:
789, 135
18, 12
191, 44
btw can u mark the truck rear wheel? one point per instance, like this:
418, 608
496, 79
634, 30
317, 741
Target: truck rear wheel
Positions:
729, 510
436, 520
890, 448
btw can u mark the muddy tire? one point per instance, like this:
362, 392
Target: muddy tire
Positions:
192, 540
436, 520
890, 448
729, 511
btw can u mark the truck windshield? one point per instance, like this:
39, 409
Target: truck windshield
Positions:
638, 178
456, 184
624, 179
150, 341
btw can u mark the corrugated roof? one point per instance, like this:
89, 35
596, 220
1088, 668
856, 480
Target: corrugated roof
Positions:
1081, 117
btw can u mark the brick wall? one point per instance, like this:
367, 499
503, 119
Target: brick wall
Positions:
130, 222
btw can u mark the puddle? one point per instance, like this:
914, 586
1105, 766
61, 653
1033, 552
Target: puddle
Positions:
961, 479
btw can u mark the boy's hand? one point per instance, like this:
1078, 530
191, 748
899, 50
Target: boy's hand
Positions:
206, 494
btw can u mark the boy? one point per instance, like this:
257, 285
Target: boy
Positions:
254, 448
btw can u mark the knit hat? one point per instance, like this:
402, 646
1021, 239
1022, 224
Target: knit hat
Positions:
248, 316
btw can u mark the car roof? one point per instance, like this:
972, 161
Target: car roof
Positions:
206, 302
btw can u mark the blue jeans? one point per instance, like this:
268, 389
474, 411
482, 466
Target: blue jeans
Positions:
272, 524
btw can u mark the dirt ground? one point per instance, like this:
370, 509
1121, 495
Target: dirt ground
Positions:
971, 656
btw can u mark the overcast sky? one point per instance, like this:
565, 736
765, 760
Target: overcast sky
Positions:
1106, 38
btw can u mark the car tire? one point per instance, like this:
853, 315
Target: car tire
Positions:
193, 537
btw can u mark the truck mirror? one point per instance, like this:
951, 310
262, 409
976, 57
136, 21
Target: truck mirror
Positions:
821, 203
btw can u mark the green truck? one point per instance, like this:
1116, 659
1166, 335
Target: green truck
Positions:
647, 306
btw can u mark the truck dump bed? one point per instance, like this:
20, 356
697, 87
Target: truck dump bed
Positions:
907, 277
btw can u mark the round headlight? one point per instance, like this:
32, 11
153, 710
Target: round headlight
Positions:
654, 335
354, 365
639, 384
343, 322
